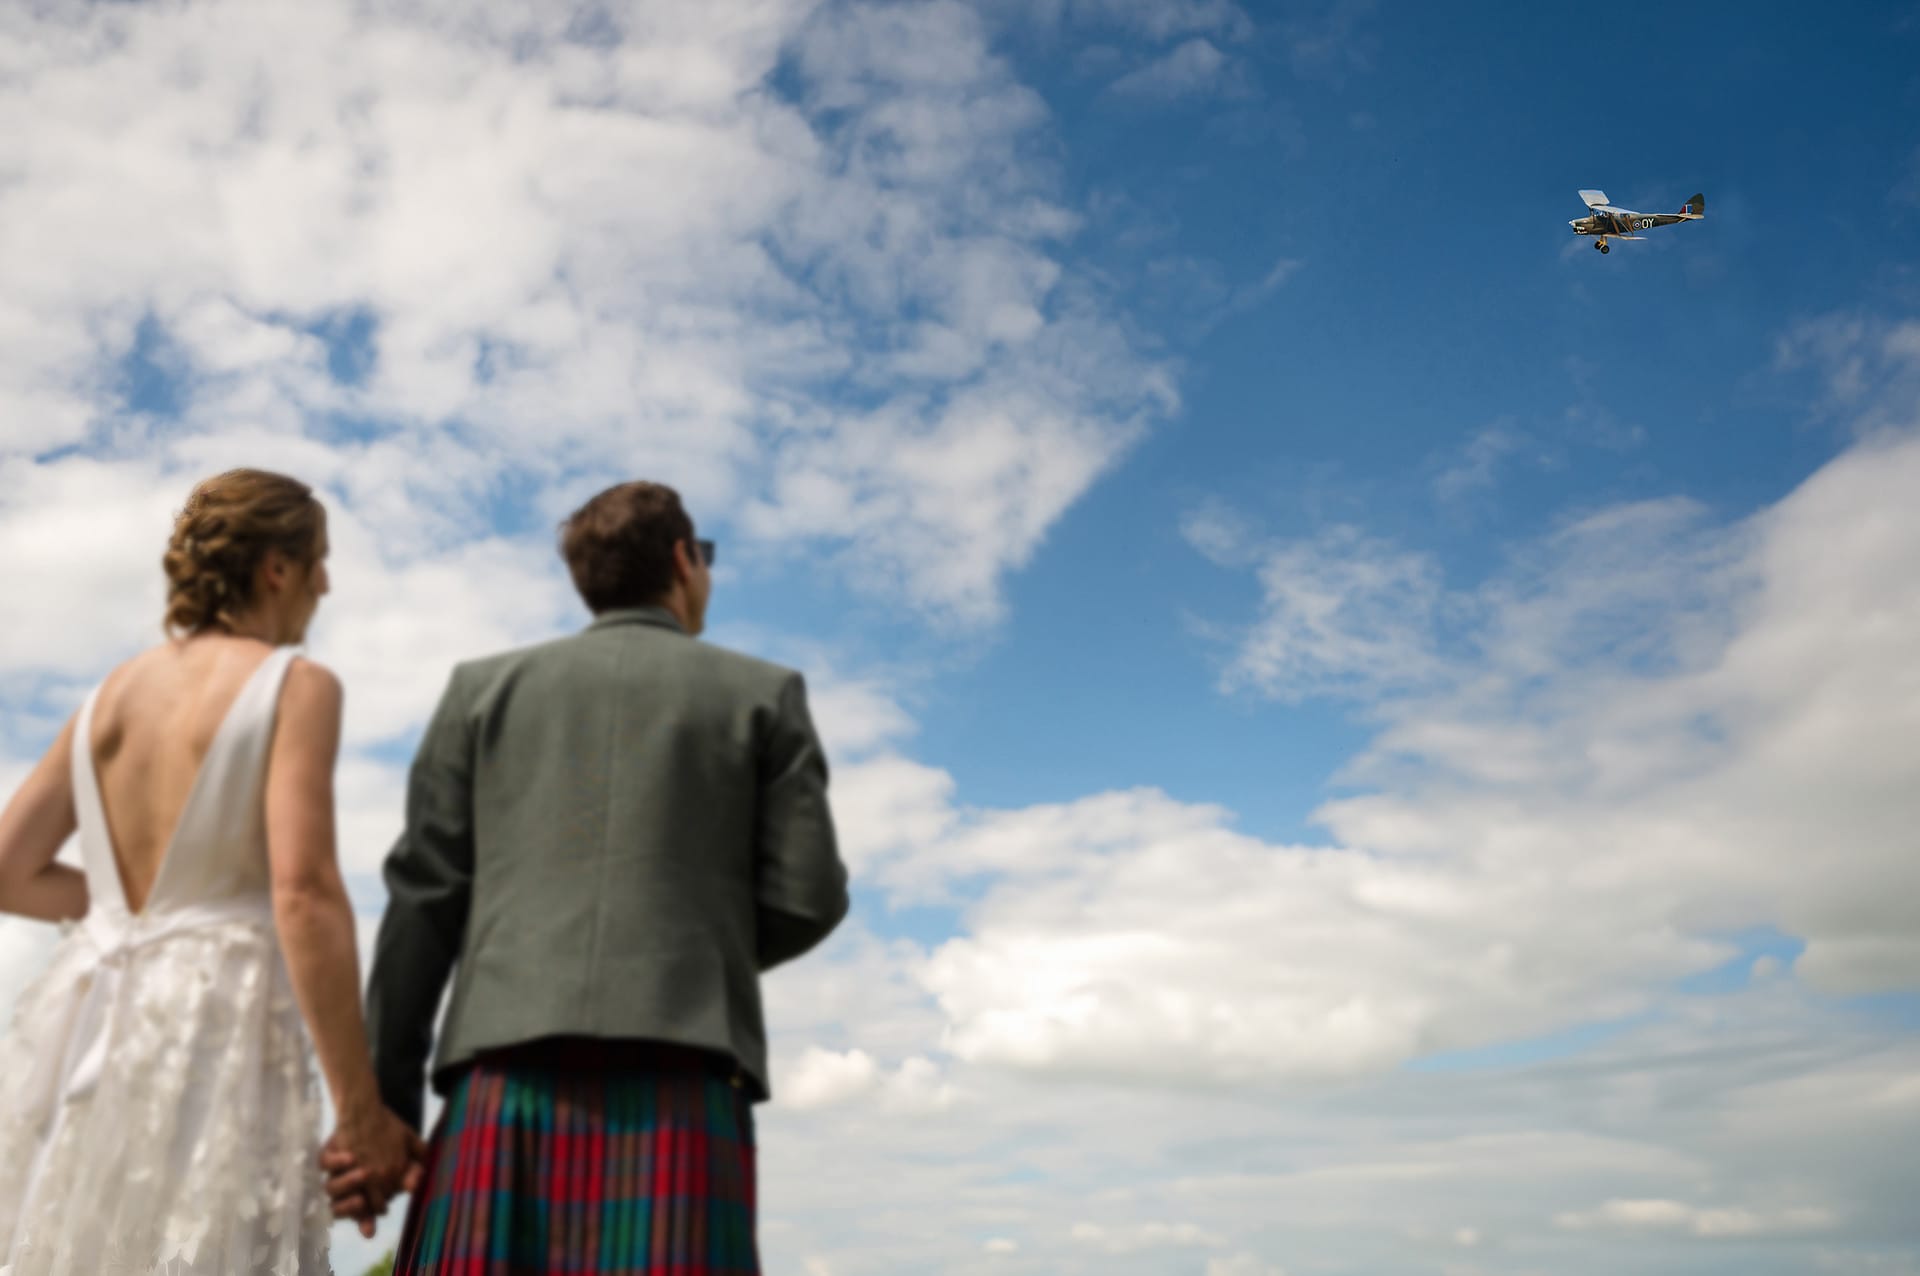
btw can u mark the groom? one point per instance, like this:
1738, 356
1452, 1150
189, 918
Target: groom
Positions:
609, 837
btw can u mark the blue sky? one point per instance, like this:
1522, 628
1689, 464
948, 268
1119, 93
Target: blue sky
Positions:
1370, 735
1419, 185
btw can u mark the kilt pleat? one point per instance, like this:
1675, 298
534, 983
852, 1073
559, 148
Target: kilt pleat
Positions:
583, 1165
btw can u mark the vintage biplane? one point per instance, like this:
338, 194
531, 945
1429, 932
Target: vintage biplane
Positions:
1606, 222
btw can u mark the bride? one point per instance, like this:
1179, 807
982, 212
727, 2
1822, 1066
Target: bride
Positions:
158, 1108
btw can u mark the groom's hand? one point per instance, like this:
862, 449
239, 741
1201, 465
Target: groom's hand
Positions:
347, 1186
356, 1194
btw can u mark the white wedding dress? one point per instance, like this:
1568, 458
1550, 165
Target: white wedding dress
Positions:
159, 1112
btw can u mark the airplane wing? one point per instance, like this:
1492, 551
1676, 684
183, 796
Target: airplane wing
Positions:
1593, 199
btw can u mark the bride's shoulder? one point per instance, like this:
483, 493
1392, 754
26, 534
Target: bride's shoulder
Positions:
311, 691
312, 677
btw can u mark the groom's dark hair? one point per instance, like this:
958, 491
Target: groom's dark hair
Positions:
619, 545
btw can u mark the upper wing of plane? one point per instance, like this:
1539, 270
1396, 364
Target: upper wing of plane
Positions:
1593, 199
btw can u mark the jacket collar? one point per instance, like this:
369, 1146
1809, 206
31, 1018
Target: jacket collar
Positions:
659, 617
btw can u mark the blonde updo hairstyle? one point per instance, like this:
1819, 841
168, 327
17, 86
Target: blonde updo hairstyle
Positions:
220, 539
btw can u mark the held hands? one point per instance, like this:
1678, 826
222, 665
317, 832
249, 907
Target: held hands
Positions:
370, 1159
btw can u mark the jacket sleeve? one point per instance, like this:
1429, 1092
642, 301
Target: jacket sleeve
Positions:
429, 876
800, 884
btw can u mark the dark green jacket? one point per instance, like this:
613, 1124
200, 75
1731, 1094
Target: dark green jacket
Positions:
610, 835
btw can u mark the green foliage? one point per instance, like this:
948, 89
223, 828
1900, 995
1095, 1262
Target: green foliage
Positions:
382, 1268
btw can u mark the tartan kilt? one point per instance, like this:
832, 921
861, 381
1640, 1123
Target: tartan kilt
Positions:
588, 1157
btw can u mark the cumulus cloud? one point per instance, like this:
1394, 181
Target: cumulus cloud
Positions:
822, 1078
1626, 756
549, 253
1182, 952
827, 1078
856, 717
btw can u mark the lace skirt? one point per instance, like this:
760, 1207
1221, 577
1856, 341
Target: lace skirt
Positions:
190, 1149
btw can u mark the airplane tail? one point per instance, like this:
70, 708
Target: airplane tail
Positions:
1696, 207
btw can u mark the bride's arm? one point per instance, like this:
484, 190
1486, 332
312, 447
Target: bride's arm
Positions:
315, 917
32, 828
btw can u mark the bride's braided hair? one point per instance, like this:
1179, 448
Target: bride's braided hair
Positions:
227, 527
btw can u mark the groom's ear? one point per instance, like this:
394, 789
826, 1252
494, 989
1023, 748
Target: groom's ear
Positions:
683, 569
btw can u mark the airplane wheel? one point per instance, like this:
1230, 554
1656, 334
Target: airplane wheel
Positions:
1606, 248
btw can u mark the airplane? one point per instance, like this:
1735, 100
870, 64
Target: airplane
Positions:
1608, 222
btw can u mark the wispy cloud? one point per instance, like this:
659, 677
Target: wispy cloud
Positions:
1868, 367
1193, 69
1330, 39
1476, 467
1343, 613
1711, 1223
1157, 20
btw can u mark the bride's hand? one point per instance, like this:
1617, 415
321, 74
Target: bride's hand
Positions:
371, 1158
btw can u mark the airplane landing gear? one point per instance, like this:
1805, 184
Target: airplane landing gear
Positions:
1604, 247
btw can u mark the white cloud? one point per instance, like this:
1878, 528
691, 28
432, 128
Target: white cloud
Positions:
1277, 275
1193, 68
1632, 1215
1626, 757
1477, 465
1129, 1238
888, 805
856, 717
1741, 1100
1158, 20
824, 1078
371, 799
573, 259
1182, 952
1242, 1264
1868, 366
1343, 613
66, 526
827, 1078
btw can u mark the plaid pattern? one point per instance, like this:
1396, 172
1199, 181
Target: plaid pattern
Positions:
582, 1157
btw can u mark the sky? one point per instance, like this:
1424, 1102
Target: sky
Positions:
1370, 737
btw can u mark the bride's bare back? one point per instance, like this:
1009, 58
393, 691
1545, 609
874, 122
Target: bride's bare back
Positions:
154, 722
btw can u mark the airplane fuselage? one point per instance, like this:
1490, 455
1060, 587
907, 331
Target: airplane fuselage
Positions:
1617, 221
